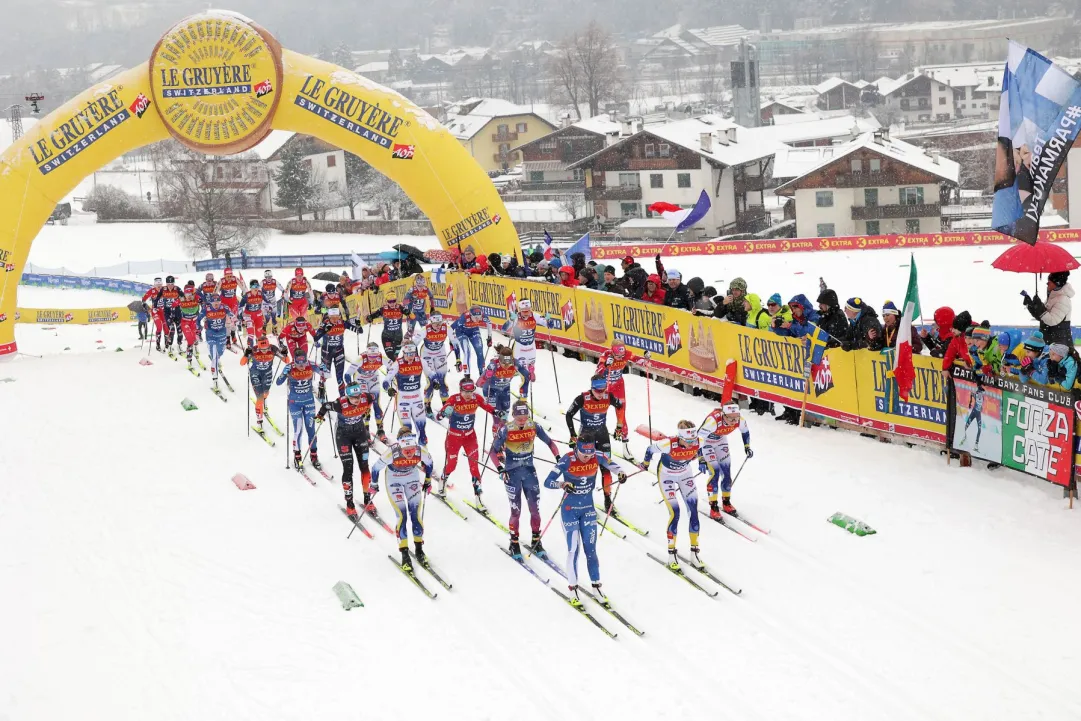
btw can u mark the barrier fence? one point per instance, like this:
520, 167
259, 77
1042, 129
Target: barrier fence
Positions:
855, 388
335, 260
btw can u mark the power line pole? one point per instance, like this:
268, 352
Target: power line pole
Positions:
16, 118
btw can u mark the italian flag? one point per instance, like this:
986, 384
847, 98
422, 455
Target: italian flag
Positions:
903, 371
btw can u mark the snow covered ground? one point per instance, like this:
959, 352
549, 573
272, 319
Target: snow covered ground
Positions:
35, 297
138, 576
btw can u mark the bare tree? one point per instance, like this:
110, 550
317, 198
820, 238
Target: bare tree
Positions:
572, 205
211, 215
566, 74
597, 57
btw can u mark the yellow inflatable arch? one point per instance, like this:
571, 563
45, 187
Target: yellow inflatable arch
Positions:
219, 83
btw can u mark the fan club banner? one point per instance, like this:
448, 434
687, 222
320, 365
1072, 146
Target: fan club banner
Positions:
1028, 428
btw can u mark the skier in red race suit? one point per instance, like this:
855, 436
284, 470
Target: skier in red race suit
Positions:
462, 409
295, 336
157, 309
612, 365
228, 289
254, 306
299, 291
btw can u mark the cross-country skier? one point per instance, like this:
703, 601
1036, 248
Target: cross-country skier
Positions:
433, 354
418, 303
207, 288
299, 292
404, 380
157, 310
218, 322
592, 410
496, 381
365, 372
352, 437
713, 435
331, 334
300, 374
676, 478
512, 452
392, 314
467, 340
521, 325
462, 409
271, 287
975, 413
294, 336
228, 288
191, 312
403, 462
332, 298
576, 474
169, 299
254, 312
613, 364
261, 373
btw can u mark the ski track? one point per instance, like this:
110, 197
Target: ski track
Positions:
128, 554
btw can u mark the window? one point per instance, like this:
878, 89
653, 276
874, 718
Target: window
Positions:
912, 225
870, 197
823, 199
924, 102
333, 186
308, 163
628, 180
665, 150
548, 145
332, 161
504, 148
857, 165
942, 100
503, 129
873, 227
656, 180
521, 127
683, 180
628, 210
910, 196
963, 106
536, 176
825, 230
904, 103
876, 165
219, 172
651, 150
579, 174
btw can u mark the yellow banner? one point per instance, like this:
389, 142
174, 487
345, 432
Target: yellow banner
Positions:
74, 316
555, 303
923, 415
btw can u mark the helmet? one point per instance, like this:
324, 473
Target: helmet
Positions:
189, 290
419, 280
505, 259
730, 411
619, 350
373, 347
586, 446
353, 390
299, 272
599, 384
210, 276
435, 319
301, 358
267, 273
334, 312
687, 431
253, 284
520, 408
409, 348
476, 310
467, 384
391, 297
524, 304
213, 298
157, 281
330, 287
170, 279
228, 271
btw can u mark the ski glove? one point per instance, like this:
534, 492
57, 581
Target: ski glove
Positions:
489, 341
644, 466
427, 487
458, 366
567, 486
750, 453
702, 467
392, 391
621, 477
373, 487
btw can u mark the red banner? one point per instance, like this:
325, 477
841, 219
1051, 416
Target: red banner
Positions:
808, 245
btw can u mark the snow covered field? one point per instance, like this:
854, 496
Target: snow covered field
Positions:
138, 578
36, 297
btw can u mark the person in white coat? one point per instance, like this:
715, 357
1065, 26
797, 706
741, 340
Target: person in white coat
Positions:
1054, 314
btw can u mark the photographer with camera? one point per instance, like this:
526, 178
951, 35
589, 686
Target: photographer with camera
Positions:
1054, 314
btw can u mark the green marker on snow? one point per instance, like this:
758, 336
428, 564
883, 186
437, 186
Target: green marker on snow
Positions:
851, 524
189, 405
347, 596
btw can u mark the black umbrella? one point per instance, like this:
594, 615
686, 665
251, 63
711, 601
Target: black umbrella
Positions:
135, 306
409, 250
327, 275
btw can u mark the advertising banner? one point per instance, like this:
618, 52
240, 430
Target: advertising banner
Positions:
923, 415
74, 316
555, 303
1029, 428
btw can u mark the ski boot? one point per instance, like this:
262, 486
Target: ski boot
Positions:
442, 489
515, 548
419, 553
575, 601
368, 505
477, 489
600, 594
350, 509
296, 458
728, 508
157, 344
407, 562
608, 507
694, 555
259, 423
322, 391
428, 410
673, 562
315, 461
538, 549
714, 511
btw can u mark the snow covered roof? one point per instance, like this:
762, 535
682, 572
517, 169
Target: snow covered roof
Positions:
827, 85
464, 127
601, 124
911, 155
784, 102
805, 128
893, 86
480, 113
967, 75
720, 35
378, 66
794, 162
687, 133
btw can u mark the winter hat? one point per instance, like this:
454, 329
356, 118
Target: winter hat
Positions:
890, 309
1059, 279
674, 274
1004, 339
606, 269
828, 297
981, 333
962, 321
1059, 349
629, 260
696, 285
567, 269
709, 291
855, 305
775, 299
738, 284
1035, 342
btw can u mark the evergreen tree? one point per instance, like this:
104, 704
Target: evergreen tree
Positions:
293, 179
359, 176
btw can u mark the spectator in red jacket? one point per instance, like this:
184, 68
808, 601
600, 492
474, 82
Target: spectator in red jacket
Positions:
566, 277
654, 290
473, 263
957, 349
383, 276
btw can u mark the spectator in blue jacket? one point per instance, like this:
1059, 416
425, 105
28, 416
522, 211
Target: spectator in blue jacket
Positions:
1007, 342
142, 316
1061, 368
803, 315
1033, 368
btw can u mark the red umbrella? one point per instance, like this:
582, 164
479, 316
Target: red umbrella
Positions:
1043, 257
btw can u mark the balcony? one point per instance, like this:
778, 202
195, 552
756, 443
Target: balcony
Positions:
578, 185
508, 137
873, 179
505, 158
616, 192
884, 212
749, 184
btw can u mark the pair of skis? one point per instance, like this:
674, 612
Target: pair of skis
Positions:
411, 574
261, 432
217, 390
726, 520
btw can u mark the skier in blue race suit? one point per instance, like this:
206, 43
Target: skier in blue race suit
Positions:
512, 452
301, 374
219, 322
576, 474
467, 339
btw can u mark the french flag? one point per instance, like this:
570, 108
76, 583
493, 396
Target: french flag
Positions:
549, 253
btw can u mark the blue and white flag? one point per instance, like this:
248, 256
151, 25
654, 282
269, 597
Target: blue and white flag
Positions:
1038, 119
580, 246
697, 213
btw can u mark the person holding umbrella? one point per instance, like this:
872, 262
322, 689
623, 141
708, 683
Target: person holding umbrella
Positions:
1054, 314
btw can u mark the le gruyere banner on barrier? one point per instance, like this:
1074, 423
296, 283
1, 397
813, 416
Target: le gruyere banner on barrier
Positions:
73, 316
219, 83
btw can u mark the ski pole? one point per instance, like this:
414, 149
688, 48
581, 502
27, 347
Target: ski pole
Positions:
545, 530
551, 349
249, 417
289, 428
649, 405
734, 479
608, 513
